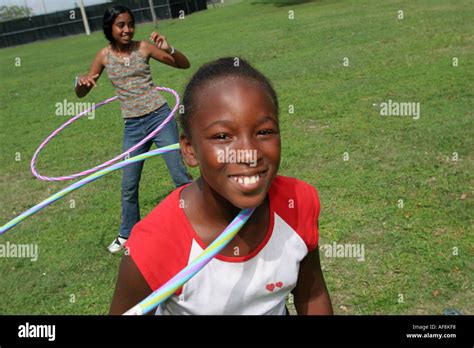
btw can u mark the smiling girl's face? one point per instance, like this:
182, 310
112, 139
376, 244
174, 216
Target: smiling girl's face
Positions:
123, 29
235, 140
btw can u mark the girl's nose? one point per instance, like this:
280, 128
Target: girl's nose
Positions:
245, 142
249, 150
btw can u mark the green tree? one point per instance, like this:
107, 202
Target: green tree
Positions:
13, 12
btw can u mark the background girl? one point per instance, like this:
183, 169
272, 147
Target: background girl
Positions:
143, 107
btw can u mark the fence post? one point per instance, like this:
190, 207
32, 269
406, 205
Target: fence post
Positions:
84, 18
169, 9
153, 14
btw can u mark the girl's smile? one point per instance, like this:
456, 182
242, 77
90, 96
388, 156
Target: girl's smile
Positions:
249, 182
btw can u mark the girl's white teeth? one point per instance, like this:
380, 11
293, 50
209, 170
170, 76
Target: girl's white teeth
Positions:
247, 180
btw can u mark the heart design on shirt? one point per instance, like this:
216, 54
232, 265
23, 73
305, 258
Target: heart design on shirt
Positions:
271, 286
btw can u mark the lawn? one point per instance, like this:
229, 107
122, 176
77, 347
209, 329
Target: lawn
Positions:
397, 185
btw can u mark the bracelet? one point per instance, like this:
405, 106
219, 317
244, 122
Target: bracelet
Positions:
172, 50
75, 81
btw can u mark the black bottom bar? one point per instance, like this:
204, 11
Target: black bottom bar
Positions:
291, 330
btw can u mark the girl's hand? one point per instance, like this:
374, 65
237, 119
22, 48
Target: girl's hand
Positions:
87, 80
160, 42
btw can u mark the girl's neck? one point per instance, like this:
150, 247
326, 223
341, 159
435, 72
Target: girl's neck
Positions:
214, 206
209, 213
122, 48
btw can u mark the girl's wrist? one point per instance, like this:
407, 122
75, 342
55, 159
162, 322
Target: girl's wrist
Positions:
171, 50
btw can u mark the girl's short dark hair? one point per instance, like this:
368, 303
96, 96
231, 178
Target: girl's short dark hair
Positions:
223, 67
110, 15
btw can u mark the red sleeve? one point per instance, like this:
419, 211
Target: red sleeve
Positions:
313, 237
158, 244
297, 203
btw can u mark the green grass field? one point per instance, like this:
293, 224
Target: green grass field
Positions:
418, 258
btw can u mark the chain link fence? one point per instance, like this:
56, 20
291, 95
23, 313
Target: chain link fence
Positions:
69, 22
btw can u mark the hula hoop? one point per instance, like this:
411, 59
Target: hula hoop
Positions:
109, 162
97, 175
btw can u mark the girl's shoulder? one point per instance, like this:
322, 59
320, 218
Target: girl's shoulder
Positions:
102, 55
160, 223
287, 186
289, 192
159, 245
144, 47
297, 203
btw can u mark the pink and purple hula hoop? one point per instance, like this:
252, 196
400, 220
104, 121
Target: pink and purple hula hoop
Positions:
109, 162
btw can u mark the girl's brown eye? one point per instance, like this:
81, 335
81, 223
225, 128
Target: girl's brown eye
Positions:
266, 132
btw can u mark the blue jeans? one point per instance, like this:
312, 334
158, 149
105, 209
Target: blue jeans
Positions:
135, 130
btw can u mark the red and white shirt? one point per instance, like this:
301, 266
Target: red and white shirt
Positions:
164, 242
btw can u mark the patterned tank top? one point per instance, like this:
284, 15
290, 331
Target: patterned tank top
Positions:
131, 78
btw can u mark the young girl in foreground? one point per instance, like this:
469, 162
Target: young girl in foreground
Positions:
230, 108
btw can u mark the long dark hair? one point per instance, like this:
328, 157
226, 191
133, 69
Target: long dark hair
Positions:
110, 15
